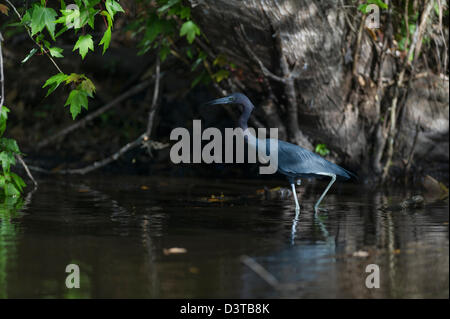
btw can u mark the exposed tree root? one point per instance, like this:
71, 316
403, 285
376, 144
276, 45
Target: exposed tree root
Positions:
413, 49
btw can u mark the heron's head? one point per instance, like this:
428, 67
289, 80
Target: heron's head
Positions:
235, 98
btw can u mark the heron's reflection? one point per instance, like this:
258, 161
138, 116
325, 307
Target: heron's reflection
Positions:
317, 221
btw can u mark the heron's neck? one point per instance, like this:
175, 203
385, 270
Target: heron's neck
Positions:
243, 119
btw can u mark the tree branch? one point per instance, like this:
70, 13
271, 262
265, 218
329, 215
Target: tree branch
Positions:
244, 41
96, 164
151, 113
138, 88
27, 170
142, 139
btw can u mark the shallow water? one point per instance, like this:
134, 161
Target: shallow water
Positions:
119, 231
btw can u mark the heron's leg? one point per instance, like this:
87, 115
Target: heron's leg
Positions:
294, 192
333, 179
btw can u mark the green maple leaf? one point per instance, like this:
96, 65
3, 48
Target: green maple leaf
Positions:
88, 16
54, 82
88, 87
70, 17
7, 159
74, 77
77, 99
18, 181
190, 29
113, 7
185, 13
164, 52
169, 4
3, 118
9, 145
56, 52
83, 44
106, 40
41, 18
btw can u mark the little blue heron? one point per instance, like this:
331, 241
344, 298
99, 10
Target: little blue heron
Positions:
293, 161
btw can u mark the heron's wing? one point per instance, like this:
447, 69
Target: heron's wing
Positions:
295, 160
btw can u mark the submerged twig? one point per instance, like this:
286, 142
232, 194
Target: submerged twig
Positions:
261, 271
269, 278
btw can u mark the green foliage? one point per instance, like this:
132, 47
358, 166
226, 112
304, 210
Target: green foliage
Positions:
113, 7
159, 26
164, 26
40, 17
106, 40
168, 22
404, 34
190, 30
83, 44
168, 27
220, 75
168, 5
54, 82
322, 149
10, 183
77, 99
402, 37
379, 3
56, 52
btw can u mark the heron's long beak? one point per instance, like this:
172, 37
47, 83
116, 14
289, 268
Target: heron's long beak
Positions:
224, 100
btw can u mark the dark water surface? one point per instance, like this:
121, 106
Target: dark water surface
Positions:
120, 231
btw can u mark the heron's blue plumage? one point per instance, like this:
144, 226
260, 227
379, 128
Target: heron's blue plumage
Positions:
295, 161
